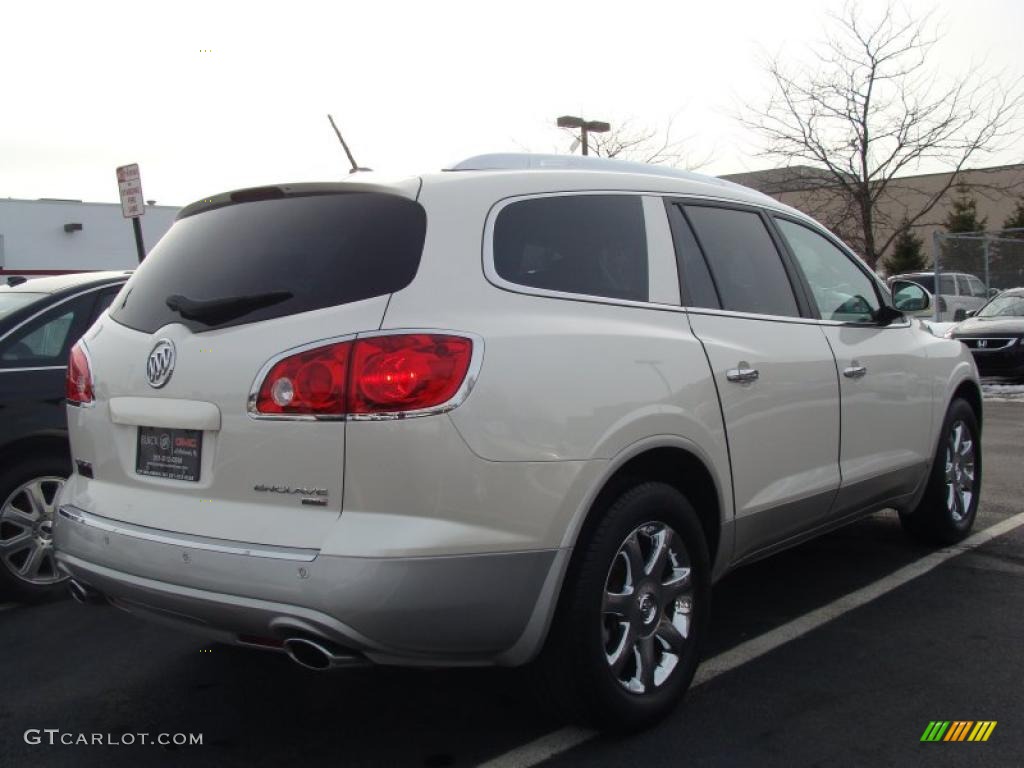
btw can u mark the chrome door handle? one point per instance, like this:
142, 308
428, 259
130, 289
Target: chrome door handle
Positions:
855, 371
741, 375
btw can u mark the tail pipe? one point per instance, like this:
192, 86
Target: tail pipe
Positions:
321, 655
84, 594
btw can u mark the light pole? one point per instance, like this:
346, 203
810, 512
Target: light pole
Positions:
585, 126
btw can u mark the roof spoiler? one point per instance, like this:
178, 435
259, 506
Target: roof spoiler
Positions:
408, 186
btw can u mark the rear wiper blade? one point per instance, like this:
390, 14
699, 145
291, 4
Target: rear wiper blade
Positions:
223, 310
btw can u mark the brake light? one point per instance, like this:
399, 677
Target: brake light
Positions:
407, 372
310, 382
380, 374
78, 384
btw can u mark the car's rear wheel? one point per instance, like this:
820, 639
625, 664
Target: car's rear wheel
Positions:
950, 503
28, 493
626, 638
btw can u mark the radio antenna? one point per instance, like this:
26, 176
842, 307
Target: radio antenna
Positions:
352, 161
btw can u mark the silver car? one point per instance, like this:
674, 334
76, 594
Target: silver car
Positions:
958, 295
522, 412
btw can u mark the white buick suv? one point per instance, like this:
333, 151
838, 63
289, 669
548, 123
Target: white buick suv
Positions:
525, 411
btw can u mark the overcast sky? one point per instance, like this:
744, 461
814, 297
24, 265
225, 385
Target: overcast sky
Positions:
214, 95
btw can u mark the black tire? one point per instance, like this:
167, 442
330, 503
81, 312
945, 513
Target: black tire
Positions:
942, 517
573, 673
11, 479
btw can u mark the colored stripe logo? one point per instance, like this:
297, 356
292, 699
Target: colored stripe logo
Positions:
958, 730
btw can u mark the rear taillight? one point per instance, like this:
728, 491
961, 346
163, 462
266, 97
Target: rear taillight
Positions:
78, 385
310, 382
407, 372
394, 373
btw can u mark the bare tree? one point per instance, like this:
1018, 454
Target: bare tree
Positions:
631, 140
870, 108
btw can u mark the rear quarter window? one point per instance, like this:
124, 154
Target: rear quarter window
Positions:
298, 253
594, 245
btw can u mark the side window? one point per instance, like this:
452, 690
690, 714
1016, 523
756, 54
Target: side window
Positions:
841, 289
47, 339
103, 300
745, 265
946, 287
977, 288
594, 245
698, 287
962, 287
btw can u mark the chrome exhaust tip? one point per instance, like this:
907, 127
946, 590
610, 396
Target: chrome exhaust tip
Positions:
319, 656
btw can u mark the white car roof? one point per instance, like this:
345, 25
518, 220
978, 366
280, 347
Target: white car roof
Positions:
509, 174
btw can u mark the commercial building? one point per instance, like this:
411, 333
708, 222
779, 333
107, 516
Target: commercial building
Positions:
43, 237
813, 191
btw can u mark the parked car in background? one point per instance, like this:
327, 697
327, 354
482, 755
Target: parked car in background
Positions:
40, 319
534, 432
995, 335
958, 294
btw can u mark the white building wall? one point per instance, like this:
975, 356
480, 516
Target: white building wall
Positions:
33, 236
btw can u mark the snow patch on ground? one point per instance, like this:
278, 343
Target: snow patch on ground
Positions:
1002, 392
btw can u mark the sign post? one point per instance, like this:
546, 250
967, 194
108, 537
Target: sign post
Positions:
133, 206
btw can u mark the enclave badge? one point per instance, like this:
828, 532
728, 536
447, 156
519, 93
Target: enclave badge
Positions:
260, 487
160, 364
316, 497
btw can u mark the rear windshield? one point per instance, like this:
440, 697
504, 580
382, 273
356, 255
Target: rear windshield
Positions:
260, 260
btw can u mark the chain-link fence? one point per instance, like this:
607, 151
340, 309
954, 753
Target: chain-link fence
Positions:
971, 267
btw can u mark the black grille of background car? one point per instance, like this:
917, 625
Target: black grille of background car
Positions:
987, 344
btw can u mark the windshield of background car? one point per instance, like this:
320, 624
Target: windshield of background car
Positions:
9, 302
1011, 305
271, 258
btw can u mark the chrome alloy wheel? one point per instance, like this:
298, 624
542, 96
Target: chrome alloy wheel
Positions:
648, 607
26, 531
959, 471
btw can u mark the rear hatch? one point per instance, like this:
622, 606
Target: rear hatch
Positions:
237, 281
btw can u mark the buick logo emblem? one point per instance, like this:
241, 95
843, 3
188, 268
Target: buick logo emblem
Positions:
160, 364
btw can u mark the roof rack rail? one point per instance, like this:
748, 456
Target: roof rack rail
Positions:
509, 161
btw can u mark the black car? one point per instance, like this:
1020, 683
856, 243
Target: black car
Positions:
995, 335
40, 320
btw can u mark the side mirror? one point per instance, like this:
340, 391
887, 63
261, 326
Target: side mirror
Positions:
972, 313
886, 315
909, 297
959, 315
992, 292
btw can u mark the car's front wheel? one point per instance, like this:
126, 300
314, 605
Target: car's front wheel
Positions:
626, 638
28, 493
950, 503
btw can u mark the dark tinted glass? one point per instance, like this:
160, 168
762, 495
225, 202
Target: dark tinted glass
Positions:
590, 244
281, 257
925, 281
746, 266
103, 300
698, 287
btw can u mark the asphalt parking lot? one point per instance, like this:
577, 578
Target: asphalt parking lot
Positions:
858, 688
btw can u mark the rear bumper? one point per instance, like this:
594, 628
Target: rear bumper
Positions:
465, 609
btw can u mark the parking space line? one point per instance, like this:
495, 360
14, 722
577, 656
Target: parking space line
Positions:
559, 741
